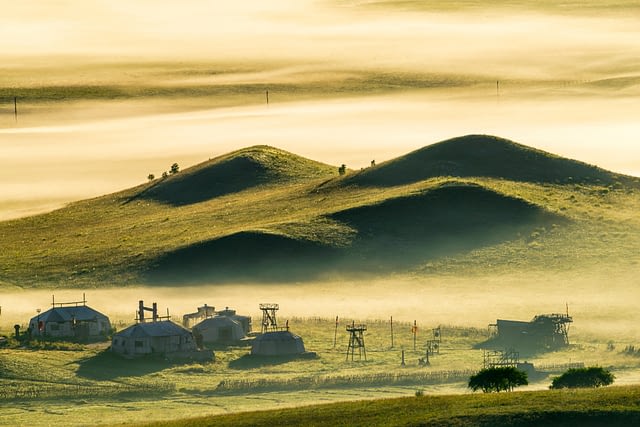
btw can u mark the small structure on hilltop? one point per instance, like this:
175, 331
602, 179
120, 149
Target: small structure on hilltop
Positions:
158, 337
70, 320
544, 331
203, 312
225, 327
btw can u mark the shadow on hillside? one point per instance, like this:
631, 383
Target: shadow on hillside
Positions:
231, 176
397, 234
108, 366
244, 256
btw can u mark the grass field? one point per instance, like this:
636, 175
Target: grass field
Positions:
615, 406
85, 384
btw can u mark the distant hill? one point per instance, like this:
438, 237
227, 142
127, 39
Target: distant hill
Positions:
485, 156
233, 172
261, 214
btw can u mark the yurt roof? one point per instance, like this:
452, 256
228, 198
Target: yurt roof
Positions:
278, 336
165, 328
217, 321
66, 314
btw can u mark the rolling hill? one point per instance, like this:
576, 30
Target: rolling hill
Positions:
263, 214
234, 172
485, 156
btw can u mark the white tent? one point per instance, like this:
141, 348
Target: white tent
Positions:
219, 329
279, 343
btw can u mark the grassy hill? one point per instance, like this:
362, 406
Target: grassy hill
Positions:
614, 406
264, 214
486, 156
235, 172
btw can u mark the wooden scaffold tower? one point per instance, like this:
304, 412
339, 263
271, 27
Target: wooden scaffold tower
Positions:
269, 321
356, 340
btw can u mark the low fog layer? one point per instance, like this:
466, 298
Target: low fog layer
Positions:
602, 313
569, 85
53, 164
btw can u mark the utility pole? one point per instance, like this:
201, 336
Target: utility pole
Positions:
15, 107
335, 333
391, 324
415, 333
267, 95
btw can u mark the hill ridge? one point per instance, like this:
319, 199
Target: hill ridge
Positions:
487, 156
233, 172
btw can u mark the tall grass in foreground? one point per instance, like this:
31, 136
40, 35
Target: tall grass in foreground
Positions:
614, 406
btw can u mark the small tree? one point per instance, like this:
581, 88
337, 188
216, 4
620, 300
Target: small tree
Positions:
497, 379
151, 177
583, 377
174, 169
165, 174
342, 169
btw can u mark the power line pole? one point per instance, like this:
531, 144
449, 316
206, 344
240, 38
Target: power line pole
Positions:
15, 107
391, 324
267, 95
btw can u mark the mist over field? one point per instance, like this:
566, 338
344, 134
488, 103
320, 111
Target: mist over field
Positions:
490, 170
109, 92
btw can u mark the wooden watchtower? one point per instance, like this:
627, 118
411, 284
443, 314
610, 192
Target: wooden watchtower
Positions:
356, 340
269, 321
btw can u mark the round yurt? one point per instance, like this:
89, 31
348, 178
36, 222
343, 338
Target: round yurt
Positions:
220, 329
279, 343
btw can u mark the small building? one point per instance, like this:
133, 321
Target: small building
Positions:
244, 321
278, 343
544, 331
71, 320
219, 329
157, 337
203, 312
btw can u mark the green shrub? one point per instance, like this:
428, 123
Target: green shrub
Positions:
583, 377
498, 379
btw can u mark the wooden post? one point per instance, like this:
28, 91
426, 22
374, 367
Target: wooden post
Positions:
15, 108
402, 364
335, 334
267, 94
415, 333
391, 324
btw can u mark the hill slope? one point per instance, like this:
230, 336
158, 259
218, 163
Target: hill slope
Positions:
234, 172
396, 233
263, 214
485, 156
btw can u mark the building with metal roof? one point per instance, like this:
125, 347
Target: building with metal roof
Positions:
157, 337
75, 321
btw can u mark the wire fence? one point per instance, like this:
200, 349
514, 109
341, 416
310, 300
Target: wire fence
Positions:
339, 381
